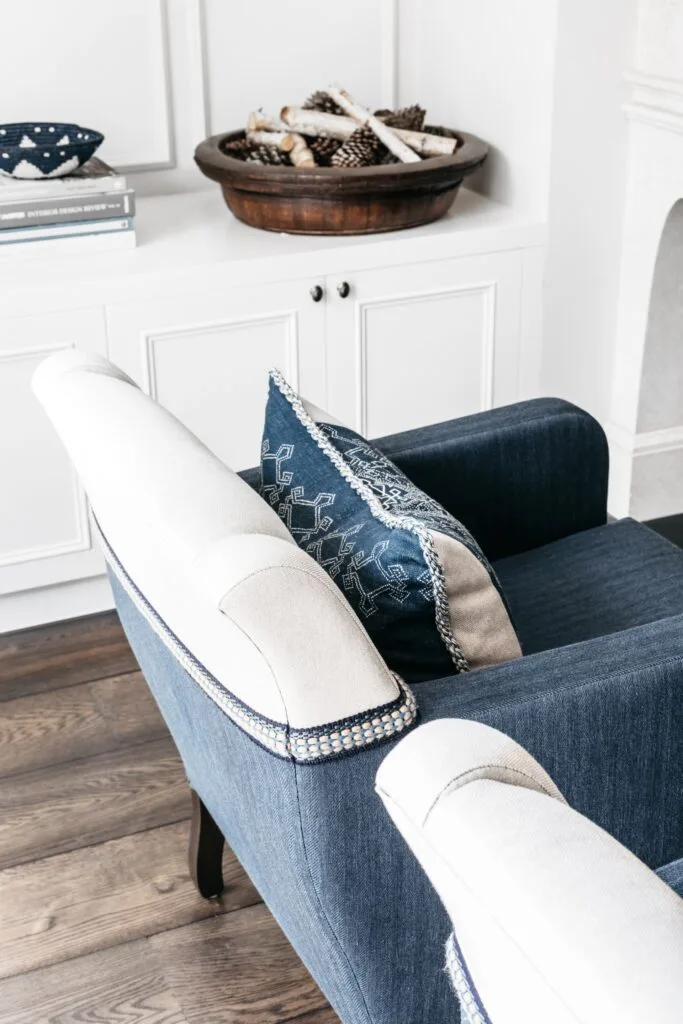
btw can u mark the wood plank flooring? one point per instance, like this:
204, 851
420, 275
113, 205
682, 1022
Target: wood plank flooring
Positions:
99, 920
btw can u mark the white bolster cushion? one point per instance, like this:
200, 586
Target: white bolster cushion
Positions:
201, 552
556, 920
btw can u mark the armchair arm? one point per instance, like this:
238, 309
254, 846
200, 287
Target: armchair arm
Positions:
517, 477
603, 717
554, 918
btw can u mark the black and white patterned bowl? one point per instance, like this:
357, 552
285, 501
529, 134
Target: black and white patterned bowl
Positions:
45, 149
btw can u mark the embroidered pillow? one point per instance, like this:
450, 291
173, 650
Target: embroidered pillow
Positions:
415, 576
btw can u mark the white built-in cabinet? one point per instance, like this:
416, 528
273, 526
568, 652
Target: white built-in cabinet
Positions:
385, 333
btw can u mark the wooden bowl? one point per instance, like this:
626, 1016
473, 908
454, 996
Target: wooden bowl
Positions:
339, 201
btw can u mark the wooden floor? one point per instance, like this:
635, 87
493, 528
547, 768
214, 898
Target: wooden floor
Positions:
99, 921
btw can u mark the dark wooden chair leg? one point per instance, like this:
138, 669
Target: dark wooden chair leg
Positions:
206, 851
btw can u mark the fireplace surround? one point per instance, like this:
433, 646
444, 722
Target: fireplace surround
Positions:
646, 422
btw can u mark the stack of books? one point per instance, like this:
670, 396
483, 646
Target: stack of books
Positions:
89, 210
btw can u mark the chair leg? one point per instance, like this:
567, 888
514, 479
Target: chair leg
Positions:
206, 851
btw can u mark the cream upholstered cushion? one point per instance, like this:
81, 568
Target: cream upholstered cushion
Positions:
214, 569
557, 922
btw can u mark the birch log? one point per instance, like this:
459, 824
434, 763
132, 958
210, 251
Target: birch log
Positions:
259, 121
319, 124
288, 142
263, 138
383, 132
299, 153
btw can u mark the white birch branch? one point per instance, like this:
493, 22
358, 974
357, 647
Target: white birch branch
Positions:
299, 153
320, 124
258, 121
287, 142
264, 138
383, 132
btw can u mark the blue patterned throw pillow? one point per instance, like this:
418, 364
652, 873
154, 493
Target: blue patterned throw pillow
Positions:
414, 575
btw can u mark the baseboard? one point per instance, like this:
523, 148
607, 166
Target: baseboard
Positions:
646, 473
54, 604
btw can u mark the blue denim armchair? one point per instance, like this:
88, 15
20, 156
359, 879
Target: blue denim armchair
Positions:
597, 699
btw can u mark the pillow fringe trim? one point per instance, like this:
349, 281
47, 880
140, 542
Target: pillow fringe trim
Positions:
304, 746
441, 607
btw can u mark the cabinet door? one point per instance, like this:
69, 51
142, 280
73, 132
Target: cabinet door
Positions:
45, 534
417, 344
205, 357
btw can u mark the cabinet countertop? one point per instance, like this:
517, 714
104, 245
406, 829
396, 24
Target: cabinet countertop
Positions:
194, 237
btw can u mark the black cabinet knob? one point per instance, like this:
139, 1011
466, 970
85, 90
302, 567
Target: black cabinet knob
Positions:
316, 293
344, 289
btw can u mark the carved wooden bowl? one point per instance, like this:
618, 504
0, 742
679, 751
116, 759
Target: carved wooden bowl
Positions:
339, 201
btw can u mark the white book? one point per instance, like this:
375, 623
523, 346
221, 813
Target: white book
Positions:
70, 246
40, 232
93, 176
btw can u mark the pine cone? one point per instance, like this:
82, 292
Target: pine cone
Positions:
269, 155
324, 149
321, 101
435, 129
238, 148
362, 149
411, 118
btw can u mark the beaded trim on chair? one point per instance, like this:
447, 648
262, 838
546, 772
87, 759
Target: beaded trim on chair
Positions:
389, 519
305, 746
472, 1010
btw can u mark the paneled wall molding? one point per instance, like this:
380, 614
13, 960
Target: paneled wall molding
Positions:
390, 51
82, 540
169, 161
655, 101
487, 291
151, 340
197, 24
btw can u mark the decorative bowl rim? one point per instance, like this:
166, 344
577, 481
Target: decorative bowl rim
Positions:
47, 142
249, 176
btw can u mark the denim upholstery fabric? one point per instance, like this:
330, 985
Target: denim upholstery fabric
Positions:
319, 847
516, 477
597, 582
672, 874
604, 718
375, 534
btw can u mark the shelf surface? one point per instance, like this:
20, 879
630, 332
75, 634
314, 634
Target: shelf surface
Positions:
186, 232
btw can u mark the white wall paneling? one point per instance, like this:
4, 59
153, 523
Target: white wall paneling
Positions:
267, 56
487, 68
44, 529
104, 65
